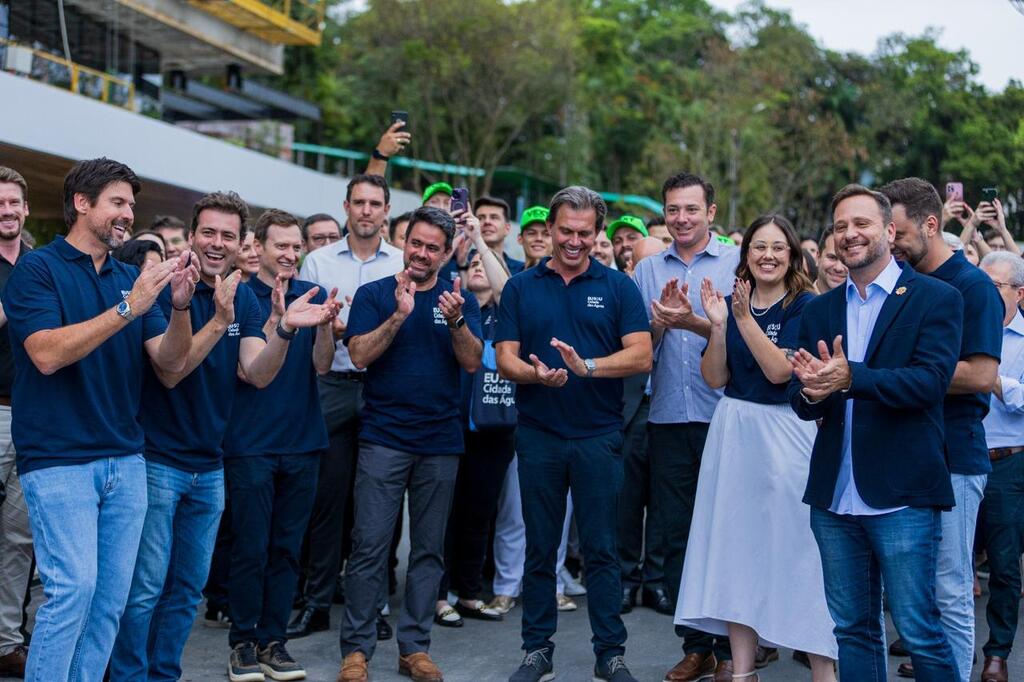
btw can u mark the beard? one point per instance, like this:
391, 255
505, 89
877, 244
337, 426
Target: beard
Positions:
10, 233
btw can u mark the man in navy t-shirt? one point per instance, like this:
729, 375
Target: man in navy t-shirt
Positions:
917, 212
568, 331
81, 325
271, 456
412, 332
184, 415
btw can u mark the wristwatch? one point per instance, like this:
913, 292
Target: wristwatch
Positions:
457, 323
591, 366
125, 310
377, 155
287, 336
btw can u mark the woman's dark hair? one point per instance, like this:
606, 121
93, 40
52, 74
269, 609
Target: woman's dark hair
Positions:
133, 252
796, 281
810, 266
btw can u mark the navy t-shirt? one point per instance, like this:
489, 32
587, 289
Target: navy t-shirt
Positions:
284, 418
592, 314
746, 379
185, 425
411, 391
966, 449
87, 410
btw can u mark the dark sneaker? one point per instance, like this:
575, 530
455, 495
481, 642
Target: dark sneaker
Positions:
536, 667
278, 664
613, 670
243, 666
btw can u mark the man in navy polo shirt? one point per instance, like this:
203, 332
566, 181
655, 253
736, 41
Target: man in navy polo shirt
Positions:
568, 331
80, 323
271, 456
184, 415
412, 332
917, 212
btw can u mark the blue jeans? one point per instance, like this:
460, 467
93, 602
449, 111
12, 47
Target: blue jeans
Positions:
549, 467
1003, 514
954, 578
86, 521
174, 559
858, 554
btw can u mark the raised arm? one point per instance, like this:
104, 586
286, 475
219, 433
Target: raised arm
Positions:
770, 358
713, 366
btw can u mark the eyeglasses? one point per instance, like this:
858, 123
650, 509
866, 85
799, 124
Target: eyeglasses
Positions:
322, 239
761, 248
1000, 285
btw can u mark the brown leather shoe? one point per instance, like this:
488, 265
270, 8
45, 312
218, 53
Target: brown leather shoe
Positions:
723, 671
13, 664
419, 667
353, 668
995, 670
693, 667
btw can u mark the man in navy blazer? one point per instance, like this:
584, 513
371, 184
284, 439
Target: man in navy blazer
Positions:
883, 348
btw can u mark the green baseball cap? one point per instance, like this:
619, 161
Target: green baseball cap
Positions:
725, 240
534, 214
435, 188
632, 222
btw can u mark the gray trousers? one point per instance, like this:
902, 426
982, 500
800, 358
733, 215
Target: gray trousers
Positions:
382, 477
15, 543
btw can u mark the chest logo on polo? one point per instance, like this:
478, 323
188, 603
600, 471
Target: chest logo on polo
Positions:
124, 293
595, 302
234, 330
438, 316
772, 332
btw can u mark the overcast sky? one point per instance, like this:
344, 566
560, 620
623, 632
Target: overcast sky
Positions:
992, 31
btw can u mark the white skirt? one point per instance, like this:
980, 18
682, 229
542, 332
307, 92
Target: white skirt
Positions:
751, 557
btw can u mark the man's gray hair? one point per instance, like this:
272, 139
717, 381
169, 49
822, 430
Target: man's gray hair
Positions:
953, 241
1015, 262
578, 198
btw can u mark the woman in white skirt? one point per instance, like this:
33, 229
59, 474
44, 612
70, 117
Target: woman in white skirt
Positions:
752, 568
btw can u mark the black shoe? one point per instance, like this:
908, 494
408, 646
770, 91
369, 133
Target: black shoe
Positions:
802, 658
308, 621
536, 667
613, 670
905, 670
657, 599
629, 598
384, 631
339, 590
897, 648
764, 655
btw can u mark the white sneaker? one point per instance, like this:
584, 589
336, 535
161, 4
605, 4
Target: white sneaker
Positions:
565, 603
572, 586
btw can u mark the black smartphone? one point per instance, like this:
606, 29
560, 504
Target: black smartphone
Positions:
989, 194
460, 199
402, 116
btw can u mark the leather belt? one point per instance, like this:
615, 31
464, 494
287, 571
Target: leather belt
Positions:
5, 400
996, 454
348, 376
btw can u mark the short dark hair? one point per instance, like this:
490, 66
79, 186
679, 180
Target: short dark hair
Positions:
133, 251
368, 179
150, 233
167, 221
395, 222
224, 202
492, 201
316, 218
918, 197
14, 177
654, 220
578, 198
436, 217
685, 179
855, 190
825, 234
91, 177
269, 218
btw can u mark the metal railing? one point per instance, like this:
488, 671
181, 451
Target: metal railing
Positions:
57, 71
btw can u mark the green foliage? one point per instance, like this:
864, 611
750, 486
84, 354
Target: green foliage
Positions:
618, 94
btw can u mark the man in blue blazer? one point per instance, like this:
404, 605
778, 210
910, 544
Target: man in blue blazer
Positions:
883, 348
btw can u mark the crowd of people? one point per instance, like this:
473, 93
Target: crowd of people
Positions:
751, 432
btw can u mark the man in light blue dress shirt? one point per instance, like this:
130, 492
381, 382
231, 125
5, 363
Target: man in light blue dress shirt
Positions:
681, 402
1002, 512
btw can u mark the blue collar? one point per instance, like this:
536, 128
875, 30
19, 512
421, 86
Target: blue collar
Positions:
594, 271
713, 248
70, 253
886, 280
261, 289
1017, 323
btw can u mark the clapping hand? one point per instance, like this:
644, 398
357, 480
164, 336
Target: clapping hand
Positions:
405, 293
553, 378
714, 303
823, 375
674, 310
303, 313
741, 299
224, 296
570, 357
450, 302
183, 281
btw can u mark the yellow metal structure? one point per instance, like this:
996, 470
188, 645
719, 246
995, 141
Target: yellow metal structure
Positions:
287, 22
57, 71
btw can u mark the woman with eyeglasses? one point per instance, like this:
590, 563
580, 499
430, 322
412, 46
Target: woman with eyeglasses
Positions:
752, 568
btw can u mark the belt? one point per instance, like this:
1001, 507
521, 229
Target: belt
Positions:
996, 454
5, 400
348, 376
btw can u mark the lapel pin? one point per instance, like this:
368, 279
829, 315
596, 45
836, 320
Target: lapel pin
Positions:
901, 291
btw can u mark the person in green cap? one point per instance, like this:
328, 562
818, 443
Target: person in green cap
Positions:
438, 195
534, 235
624, 233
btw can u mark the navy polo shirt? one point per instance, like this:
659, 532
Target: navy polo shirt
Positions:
966, 449
592, 313
284, 418
746, 378
87, 410
411, 391
185, 425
